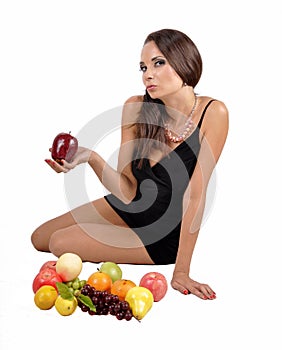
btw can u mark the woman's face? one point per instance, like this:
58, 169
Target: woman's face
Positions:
159, 78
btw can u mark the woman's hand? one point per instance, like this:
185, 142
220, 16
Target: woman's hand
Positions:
82, 156
184, 284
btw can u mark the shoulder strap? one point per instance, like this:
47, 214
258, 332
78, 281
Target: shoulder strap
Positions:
204, 112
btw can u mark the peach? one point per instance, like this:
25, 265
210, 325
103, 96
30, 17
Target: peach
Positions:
69, 266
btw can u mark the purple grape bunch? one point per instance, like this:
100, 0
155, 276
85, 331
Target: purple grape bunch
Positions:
105, 303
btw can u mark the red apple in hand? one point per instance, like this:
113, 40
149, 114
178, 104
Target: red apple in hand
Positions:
64, 147
156, 283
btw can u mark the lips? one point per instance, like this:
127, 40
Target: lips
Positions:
151, 87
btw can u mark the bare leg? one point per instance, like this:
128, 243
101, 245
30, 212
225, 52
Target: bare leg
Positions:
96, 212
90, 242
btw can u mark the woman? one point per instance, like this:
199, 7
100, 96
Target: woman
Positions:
171, 141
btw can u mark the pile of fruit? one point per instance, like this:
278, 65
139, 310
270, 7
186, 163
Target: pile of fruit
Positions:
104, 292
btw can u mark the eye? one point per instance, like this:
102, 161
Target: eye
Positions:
143, 69
159, 63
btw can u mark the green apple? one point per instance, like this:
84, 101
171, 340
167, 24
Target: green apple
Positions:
112, 269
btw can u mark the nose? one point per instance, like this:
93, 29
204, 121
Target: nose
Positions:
149, 74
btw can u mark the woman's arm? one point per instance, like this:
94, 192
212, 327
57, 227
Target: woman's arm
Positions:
120, 182
215, 128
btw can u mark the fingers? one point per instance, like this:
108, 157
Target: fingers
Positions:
67, 165
209, 292
56, 166
202, 291
186, 291
60, 168
180, 288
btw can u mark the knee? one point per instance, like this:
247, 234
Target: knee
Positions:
38, 241
58, 243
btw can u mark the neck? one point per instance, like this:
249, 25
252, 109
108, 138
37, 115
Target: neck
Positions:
180, 106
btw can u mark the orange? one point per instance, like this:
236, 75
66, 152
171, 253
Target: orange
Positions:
121, 287
100, 281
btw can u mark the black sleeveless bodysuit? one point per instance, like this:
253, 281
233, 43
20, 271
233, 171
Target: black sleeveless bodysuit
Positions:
155, 213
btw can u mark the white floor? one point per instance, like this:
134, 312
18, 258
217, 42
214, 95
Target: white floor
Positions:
54, 78
244, 315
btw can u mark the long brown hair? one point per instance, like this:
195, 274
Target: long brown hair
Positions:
184, 57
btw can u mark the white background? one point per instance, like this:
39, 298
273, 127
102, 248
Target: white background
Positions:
64, 62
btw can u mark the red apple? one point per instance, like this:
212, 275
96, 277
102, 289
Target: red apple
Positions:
156, 283
64, 147
47, 277
49, 264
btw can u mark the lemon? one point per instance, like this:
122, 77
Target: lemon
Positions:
45, 297
65, 307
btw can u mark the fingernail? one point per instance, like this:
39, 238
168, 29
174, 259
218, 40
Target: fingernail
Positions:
185, 291
47, 161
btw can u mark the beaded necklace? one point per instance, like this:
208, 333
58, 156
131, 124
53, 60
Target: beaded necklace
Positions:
188, 127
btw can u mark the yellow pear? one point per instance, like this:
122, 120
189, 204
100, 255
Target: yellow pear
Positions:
140, 300
65, 307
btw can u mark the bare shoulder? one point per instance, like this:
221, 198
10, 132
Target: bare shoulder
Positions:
216, 116
219, 108
134, 99
215, 126
131, 109
216, 105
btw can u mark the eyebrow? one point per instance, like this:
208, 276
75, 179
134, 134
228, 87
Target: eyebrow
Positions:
153, 59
